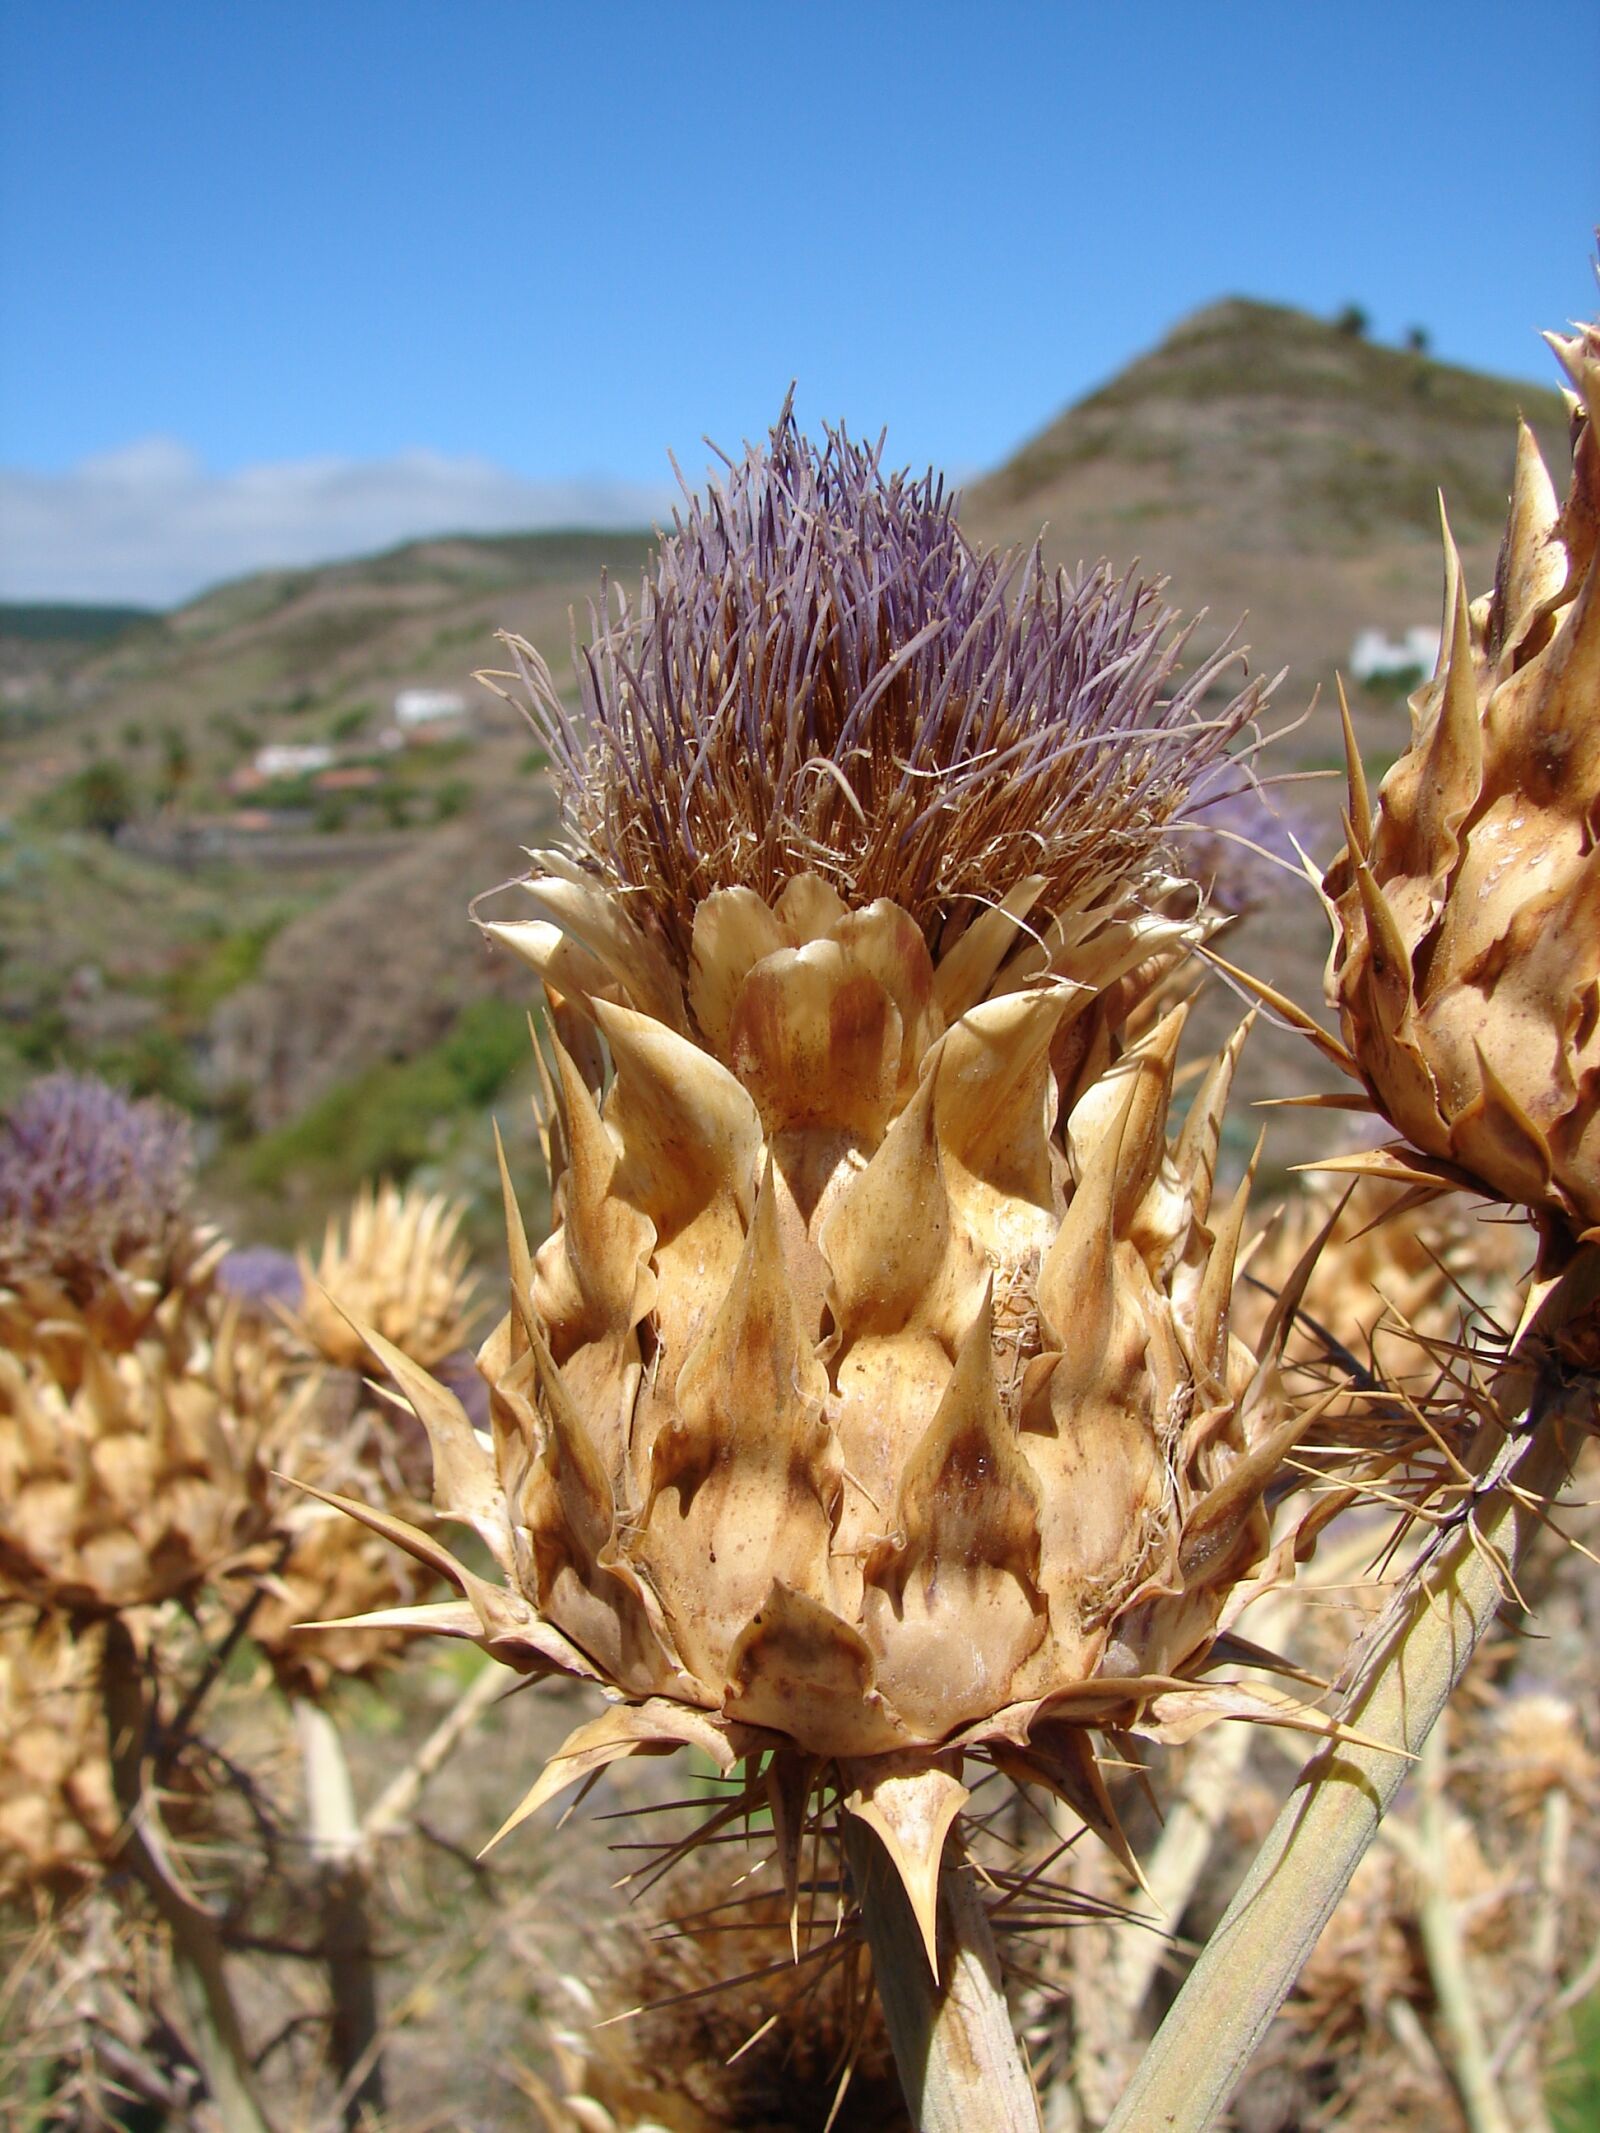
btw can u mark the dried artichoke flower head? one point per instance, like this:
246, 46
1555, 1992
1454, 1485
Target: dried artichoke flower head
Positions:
873, 1401
133, 1487
130, 1460
1466, 962
98, 1245
396, 1262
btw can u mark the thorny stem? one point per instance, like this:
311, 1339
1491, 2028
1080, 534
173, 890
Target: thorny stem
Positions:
1417, 1655
215, 2034
953, 2042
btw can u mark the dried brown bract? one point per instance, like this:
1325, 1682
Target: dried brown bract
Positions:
1466, 967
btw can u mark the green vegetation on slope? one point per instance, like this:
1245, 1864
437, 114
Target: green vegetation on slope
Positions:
1574, 2089
388, 1120
68, 622
112, 963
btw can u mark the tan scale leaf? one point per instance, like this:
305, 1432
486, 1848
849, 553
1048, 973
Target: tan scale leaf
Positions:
809, 908
733, 931
911, 1808
992, 1086
799, 1670
964, 973
953, 1603
593, 1275
897, 1258
580, 906
745, 1476
814, 1038
886, 942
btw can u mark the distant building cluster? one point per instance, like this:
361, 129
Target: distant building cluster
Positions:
420, 716
291, 759
428, 707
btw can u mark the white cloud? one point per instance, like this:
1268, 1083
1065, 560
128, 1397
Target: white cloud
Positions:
151, 524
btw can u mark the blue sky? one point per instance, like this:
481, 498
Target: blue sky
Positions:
280, 279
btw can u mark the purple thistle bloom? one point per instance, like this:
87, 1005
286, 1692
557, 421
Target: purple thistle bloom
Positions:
89, 1177
824, 675
261, 1275
1235, 843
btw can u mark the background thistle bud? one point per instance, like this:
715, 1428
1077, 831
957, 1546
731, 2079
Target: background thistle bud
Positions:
395, 1262
1466, 967
874, 1400
96, 1234
132, 1487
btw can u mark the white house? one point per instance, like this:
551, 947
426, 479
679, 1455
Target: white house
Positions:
292, 759
428, 707
1374, 654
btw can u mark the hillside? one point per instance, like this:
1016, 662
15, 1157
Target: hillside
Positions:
1266, 461
1285, 477
288, 953
170, 917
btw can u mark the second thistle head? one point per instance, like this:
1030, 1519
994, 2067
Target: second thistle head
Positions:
1466, 966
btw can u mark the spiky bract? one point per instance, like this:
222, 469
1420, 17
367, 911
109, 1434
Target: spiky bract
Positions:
1467, 963
1398, 1275
321, 1566
823, 676
395, 1261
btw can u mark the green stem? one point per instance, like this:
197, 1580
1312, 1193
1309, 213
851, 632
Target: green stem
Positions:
215, 2035
953, 2042
1331, 1817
